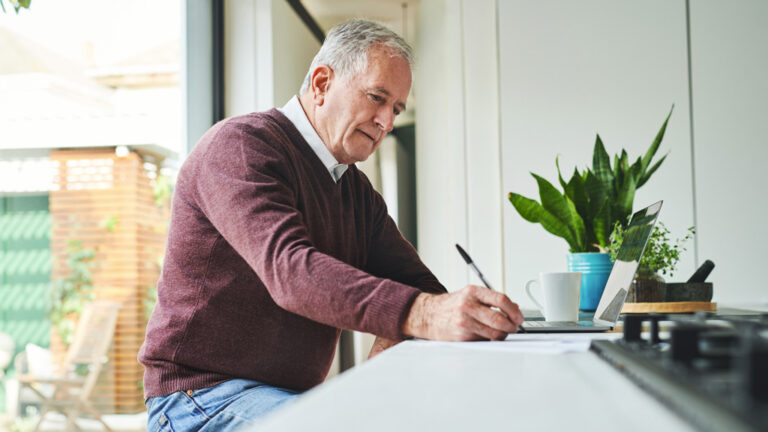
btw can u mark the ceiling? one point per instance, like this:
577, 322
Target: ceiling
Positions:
399, 15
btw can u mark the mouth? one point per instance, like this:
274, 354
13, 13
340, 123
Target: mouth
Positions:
368, 135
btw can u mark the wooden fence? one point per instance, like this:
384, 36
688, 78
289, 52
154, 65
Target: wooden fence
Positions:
107, 203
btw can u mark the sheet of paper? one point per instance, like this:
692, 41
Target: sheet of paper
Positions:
551, 343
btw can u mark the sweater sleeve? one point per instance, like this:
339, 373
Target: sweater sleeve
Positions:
392, 256
246, 192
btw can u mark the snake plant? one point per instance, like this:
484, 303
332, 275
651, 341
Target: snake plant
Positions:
592, 201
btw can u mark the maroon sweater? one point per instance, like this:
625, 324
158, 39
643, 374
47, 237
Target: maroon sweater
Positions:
267, 258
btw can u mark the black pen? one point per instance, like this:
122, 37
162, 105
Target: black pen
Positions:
479, 274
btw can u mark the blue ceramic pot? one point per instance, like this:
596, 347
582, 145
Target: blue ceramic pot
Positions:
595, 268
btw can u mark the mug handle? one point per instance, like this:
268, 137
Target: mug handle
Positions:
528, 291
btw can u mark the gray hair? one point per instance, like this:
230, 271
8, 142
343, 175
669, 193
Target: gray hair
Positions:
346, 47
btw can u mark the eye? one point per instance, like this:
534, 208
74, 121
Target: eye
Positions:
396, 111
375, 98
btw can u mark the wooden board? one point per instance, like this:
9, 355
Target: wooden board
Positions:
668, 307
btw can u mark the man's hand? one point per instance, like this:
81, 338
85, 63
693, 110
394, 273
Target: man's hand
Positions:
379, 345
463, 315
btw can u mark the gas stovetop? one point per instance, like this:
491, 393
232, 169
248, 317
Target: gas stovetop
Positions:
712, 370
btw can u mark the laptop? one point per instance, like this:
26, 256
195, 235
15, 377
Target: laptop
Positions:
627, 260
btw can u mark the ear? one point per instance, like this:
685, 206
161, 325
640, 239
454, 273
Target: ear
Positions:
320, 83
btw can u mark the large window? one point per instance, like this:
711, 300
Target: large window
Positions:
90, 131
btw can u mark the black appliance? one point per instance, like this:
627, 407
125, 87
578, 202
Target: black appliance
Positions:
710, 369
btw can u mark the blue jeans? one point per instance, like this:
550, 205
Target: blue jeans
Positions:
231, 405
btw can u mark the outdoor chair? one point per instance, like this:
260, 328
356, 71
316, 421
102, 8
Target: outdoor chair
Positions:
69, 393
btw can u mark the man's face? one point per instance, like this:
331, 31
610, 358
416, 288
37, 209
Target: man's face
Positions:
358, 111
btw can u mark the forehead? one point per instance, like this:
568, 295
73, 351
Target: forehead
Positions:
388, 71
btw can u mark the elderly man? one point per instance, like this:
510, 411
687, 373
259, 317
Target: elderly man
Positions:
277, 241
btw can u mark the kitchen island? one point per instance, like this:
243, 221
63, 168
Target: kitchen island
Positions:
432, 386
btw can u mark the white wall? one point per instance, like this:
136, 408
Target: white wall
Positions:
729, 59
267, 52
197, 73
290, 35
571, 71
457, 143
550, 75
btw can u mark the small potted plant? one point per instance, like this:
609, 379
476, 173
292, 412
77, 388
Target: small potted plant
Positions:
661, 255
591, 202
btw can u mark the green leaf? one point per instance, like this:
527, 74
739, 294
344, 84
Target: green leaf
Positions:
620, 169
656, 142
561, 207
624, 161
602, 224
651, 171
576, 191
559, 176
626, 198
601, 165
636, 168
534, 212
595, 191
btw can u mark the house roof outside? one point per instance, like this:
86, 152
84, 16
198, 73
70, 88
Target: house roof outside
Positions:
51, 102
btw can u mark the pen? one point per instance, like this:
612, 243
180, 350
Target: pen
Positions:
479, 274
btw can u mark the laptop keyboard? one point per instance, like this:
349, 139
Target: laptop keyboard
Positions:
551, 324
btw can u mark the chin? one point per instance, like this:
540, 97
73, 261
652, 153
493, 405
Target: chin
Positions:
360, 156
363, 158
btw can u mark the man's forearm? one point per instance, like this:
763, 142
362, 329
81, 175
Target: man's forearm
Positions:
416, 323
380, 344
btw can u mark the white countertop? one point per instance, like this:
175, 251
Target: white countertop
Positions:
419, 386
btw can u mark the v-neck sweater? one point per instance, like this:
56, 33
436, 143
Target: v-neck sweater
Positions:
267, 259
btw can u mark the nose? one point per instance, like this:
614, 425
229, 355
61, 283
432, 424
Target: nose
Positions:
385, 118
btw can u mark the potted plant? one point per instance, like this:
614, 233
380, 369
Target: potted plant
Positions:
661, 255
591, 202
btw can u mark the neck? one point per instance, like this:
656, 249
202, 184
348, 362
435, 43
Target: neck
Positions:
310, 109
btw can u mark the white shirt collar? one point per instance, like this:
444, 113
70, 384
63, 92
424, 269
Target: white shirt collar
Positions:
295, 113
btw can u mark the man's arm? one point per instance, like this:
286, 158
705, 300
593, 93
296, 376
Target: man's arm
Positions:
247, 190
380, 344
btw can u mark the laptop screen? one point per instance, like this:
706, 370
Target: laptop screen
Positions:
627, 260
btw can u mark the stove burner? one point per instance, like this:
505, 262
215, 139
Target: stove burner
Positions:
712, 370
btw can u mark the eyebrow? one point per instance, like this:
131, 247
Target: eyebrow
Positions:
399, 105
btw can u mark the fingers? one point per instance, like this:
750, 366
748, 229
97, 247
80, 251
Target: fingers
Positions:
477, 330
501, 301
494, 320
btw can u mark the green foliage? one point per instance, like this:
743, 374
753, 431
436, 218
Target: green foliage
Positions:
69, 295
592, 201
151, 300
17, 4
110, 223
163, 189
660, 254
26, 423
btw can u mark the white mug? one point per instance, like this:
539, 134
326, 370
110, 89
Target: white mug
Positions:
561, 295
